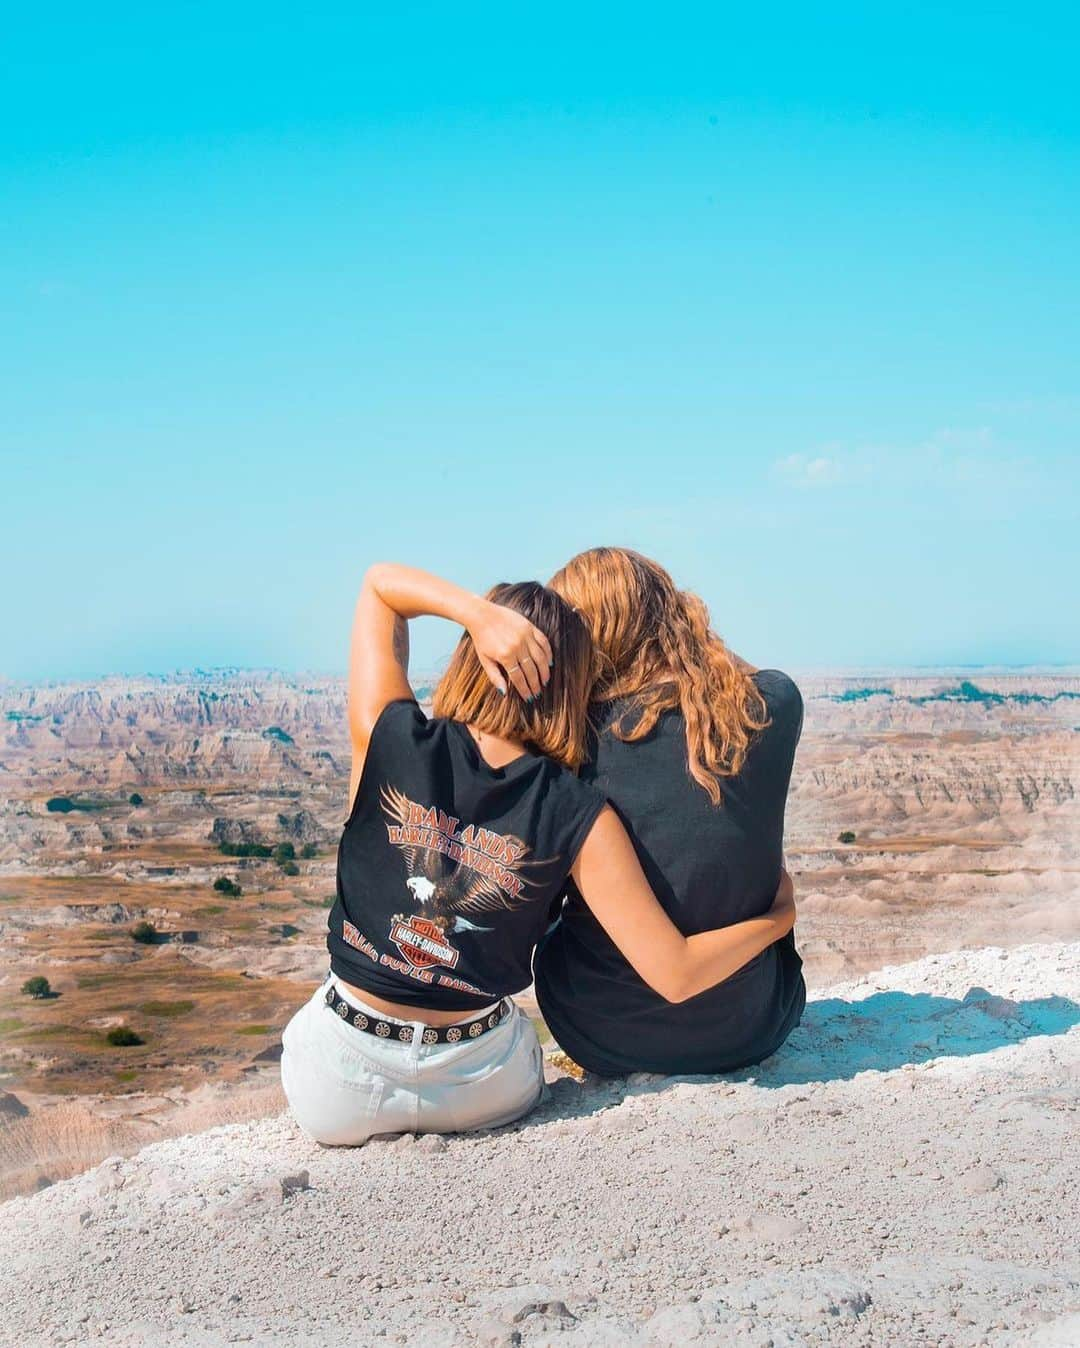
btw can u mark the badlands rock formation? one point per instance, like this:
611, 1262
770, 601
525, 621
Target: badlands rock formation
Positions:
959, 790
905, 1173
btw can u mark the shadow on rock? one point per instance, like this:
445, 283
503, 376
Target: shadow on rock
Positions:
837, 1040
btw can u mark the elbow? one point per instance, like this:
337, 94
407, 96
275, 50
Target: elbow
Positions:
673, 989
677, 977
375, 575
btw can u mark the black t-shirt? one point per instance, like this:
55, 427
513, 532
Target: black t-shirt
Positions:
448, 868
709, 867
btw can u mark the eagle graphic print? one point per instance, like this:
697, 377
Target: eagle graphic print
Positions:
455, 875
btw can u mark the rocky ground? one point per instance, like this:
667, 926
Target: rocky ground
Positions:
905, 1172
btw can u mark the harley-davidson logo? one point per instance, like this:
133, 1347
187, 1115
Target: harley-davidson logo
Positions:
422, 943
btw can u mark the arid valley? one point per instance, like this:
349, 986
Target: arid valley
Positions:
167, 856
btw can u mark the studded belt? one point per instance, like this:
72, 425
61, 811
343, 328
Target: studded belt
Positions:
396, 1029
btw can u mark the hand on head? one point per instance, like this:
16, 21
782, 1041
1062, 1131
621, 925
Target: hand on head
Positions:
511, 648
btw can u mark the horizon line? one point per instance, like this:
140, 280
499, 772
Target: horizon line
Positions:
193, 673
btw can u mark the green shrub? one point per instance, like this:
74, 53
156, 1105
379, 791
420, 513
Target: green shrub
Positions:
38, 986
846, 837
228, 849
135, 799
228, 887
144, 932
290, 868
123, 1036
283, 852
308, 851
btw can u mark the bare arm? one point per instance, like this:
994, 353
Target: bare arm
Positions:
612, 883
379, 657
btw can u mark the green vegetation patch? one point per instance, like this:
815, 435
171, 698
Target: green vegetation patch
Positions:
166, 1008
255, 1029
128, 1074
966, 691
228, 849
65, 804
48, 1031
123, 1036
860, 694
275, 732
98, 980
9, 1023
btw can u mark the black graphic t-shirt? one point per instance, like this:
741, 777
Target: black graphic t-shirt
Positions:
448, 868
709, 867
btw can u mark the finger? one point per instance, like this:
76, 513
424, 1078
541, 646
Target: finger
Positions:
547, 655
541, 661
532, 673
494, 673
516, 675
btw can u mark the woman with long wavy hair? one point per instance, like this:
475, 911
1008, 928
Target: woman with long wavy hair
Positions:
694, 750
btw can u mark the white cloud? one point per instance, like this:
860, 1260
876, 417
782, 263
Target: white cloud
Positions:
951, 456
802, 470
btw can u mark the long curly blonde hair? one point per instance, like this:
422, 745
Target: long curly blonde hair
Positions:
654, 648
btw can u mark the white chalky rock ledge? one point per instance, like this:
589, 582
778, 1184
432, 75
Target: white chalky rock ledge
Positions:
905, 1171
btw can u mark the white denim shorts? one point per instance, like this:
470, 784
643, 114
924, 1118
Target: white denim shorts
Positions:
344, 1086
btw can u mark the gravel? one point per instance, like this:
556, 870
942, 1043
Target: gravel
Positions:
904, 1172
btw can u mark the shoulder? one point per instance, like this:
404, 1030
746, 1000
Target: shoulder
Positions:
575, 803
783, 699
400, 718
566, 786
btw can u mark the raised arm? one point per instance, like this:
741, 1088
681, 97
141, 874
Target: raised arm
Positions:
612, 883
379, 658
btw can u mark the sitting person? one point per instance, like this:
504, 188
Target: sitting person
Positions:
463, 830
694, 750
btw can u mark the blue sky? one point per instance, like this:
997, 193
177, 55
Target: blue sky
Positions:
787, 299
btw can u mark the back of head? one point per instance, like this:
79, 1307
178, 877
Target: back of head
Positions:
654, 647
554, 723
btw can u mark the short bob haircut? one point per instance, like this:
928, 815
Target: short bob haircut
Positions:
554, 723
